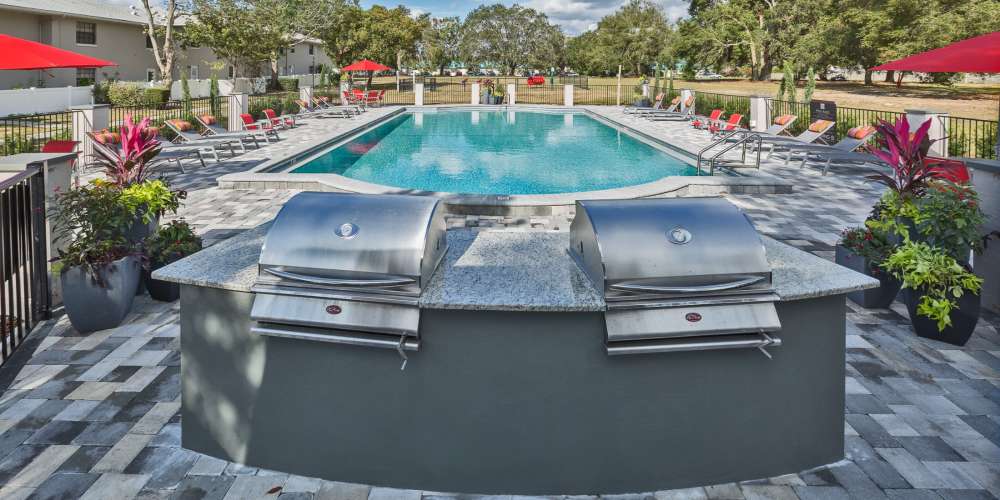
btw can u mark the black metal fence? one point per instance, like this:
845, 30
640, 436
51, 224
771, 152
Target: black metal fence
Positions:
971, 137
28, 133
160, 112
597, 95
24, 281
800, 110
447, 92
847, 118
707, 101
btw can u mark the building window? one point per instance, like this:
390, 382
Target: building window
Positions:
86, 33
85, 76
193, 72
149, 41
281, 51
232, 72
311, 49
150, 74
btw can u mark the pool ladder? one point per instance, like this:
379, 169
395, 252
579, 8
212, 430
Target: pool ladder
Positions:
731, 139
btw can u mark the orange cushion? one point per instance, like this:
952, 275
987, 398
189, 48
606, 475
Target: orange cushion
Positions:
152, 132
209, 119
783, 119
181, 125
676, 100
861, 132
820, 125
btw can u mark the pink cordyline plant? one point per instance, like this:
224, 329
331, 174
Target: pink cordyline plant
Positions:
905, 153
128, 164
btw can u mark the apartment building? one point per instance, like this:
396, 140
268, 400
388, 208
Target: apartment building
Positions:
116, 32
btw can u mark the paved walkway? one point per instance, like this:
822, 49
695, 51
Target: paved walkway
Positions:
96, 416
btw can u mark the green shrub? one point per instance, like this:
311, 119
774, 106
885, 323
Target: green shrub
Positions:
101, 90
125, 94
155, 95
288, 83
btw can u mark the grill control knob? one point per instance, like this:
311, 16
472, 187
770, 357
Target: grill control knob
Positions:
347, 230
679, 235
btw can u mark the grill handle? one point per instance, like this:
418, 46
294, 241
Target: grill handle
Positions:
760, 342
633, 287
316, 280
400, 344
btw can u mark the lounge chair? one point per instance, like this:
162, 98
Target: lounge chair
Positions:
258, 126
327, 103
676, 101
686, 112
703, 122
283, 121
731, 124
781, 124
845, 150
186, 135
213, 129
658, 104
815, 131
316, 111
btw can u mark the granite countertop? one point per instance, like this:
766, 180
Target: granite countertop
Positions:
508, 270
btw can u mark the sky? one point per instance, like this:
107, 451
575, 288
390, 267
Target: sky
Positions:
575, 16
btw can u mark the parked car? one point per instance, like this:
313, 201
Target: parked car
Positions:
839, 77
707, 75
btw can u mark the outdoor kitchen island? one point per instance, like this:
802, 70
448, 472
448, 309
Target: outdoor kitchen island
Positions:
512, 389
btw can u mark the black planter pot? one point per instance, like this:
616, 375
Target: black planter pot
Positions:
874, 298
485, 98
138, 230
91, 307
963, 319
164, 291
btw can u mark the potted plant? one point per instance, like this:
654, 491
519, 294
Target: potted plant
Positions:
99, 268
907, 180
498, 94
148, 201
169, 244
944, 299
486, 93
864, 250
948, 216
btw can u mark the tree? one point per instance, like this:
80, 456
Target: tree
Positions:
513, 37
807, 95
441, 43
160, 22
635, 34
586, 55
389, 35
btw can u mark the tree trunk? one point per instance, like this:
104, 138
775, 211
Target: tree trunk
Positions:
890, 76
868, 77
899, 79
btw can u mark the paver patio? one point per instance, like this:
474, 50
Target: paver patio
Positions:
97, 416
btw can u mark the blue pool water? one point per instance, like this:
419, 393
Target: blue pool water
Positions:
497, 152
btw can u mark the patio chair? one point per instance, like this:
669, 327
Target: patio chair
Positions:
258, 126
347, 101
686, 111
316, 111
657, 104
732, 123
185, 134
781, 124
283, 121
810, 135
703, 122
845, 150
213, 129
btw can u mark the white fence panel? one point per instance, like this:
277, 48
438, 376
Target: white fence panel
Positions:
43, 100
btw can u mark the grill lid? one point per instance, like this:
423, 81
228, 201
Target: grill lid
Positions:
341, 240
679, 246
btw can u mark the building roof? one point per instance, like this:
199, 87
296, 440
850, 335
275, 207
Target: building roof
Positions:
90, 9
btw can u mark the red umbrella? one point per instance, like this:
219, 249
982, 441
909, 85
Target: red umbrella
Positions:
975, 55
19, 54
365, 65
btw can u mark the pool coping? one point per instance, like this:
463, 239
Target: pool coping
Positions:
260, 178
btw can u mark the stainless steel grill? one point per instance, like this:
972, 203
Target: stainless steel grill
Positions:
677, 274
349, 268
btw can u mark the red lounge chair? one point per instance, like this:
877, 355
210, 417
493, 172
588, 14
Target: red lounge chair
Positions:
713, 119
283, 121
251, 125
732, 123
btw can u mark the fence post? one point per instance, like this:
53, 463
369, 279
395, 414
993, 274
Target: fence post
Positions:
418, 94
237, 106
567, 95
88, 118
938, 131
759, 115
306, 94
475, 93
512, 93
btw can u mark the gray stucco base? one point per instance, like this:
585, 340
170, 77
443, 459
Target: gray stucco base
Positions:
512, 402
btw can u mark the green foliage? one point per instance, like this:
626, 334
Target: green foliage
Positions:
93, 220
807, 96
937, 274
788, 80
512, 37
948, 216
288, 83
172, 242
101, 91
126, 94
635, 35
870, 244
185, 91
151, 199
155, 95
213, 94
892, 215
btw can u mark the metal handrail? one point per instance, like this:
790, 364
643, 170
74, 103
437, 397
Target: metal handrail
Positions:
723, 138
21, 176
747, 137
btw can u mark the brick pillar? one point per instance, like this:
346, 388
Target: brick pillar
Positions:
418, 94
88, 118
237, 106
567, 95
512, 93
475, 93
938, 131
760, 116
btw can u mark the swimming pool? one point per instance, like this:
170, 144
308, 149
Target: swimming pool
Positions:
497, 152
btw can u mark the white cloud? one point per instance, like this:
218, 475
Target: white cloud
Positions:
577, 16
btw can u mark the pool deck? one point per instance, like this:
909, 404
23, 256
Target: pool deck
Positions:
97, 416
